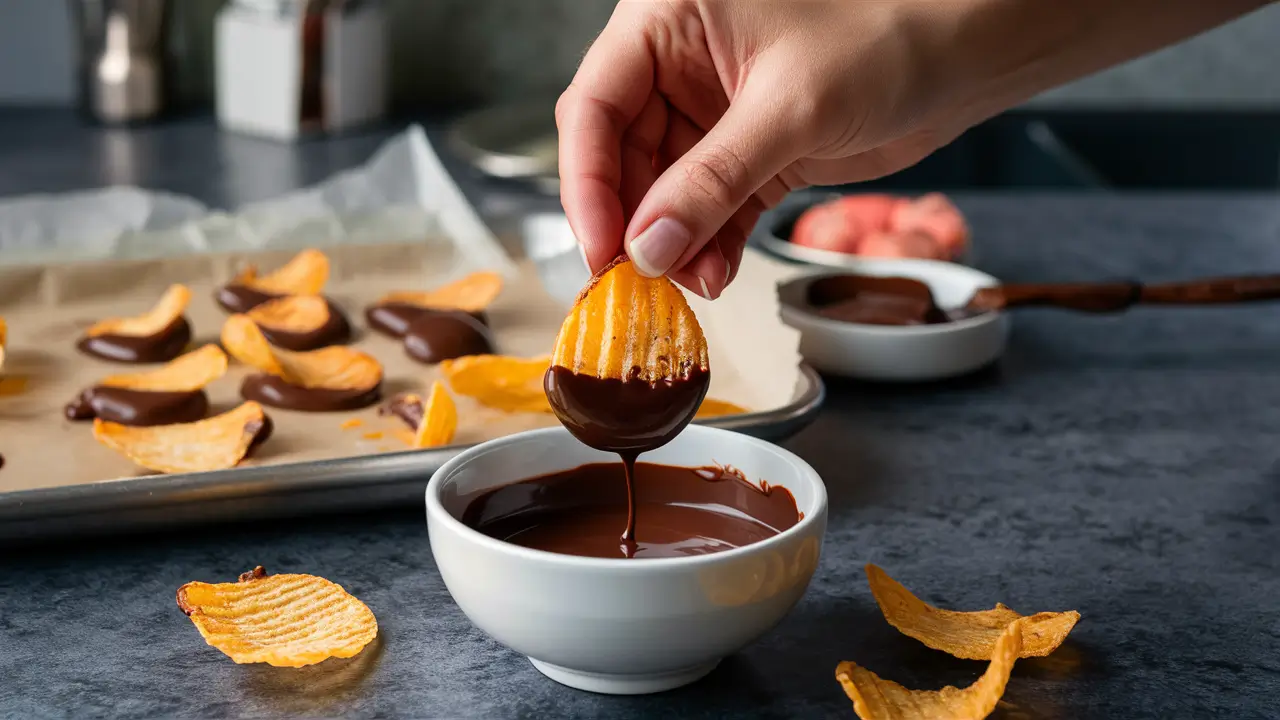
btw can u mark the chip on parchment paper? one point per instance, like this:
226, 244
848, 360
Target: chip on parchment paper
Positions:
877, 699
292, 313
284, 620
472, 293
166, 311
305, 274
502, 382
185, 373
215, 443
337, 367
625, 326
439, 419
967, 635
4, 337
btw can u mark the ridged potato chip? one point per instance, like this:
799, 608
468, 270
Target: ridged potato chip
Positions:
472, 293
305, 274
287, 620
878, 699
967, 635
170, 307
711, 408
292, 313
501, 382
332, 368
626, 326
439, 419
192, 371
215, 443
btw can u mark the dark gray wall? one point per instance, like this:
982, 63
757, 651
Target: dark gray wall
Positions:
447, 52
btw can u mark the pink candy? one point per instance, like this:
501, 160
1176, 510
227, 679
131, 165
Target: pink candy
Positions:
877, 225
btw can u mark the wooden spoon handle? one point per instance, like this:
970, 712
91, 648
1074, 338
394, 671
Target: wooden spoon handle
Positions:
1116, 296
1249, 288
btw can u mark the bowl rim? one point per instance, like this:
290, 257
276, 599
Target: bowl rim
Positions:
837, 326
436, 512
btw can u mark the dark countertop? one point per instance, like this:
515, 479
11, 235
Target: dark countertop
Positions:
1122, 466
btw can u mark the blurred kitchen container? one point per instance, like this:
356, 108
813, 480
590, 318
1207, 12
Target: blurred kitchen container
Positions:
288, 68
122, 55
550, 244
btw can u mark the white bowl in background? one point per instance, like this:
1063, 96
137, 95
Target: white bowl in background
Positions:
613, 625
890, 353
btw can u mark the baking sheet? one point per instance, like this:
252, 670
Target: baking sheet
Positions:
48, 308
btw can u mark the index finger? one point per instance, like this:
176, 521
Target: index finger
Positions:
606, 95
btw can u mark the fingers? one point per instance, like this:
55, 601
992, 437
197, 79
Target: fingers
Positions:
691, 202
608, 93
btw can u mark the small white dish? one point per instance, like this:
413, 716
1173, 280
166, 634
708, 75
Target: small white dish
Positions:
622, 626
914, 353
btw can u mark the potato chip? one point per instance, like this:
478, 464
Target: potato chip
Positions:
170, 307
4, 338
332, 368
439, 419
192, 371
282, 620
626, 326
502, 382
967, 635
215, 443
292, 313
305, 274
472, 293
877, 699
711, 408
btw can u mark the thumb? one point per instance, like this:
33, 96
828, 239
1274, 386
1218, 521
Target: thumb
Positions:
695, 197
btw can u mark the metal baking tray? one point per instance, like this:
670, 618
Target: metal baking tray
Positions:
356, 483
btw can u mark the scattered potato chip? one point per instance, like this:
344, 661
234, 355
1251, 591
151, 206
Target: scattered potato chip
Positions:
626, 326
351, 423
332, 368
292, 313
877, 699
214, 443
967, 635
192, 371
472, 293
4, 338
281, 620
439, 419
305, 274
499, 381
170, 307
718, 408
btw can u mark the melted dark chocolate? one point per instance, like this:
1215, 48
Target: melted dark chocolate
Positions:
261, 433
238, 298
1, 461
626, 417
161, 347
407, 408
271, 390
394, 319
871, 300
681, 511
138, 407
335, 331
439, 335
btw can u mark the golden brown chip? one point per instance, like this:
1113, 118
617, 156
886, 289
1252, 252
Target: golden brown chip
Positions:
215, 443
170, 307
292, 313
4, 337
192, 371
719, 408
282, 620
627, 326
877, 699
305, 274
472, 293
439, 419
502, 382
332, 368
968, 635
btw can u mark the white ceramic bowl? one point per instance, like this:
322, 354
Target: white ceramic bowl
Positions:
889, 353
612, 625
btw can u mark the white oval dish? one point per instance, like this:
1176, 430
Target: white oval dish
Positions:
612, 625
914, 353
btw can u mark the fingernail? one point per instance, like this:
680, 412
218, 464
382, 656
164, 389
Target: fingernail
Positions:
706, 292
658, 248
728, 273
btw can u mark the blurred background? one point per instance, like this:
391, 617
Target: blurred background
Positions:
1203, 115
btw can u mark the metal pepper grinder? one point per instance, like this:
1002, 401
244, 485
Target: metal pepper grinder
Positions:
122, 58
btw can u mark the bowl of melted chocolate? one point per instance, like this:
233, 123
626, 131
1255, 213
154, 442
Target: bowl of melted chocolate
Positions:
528, 532
894, 320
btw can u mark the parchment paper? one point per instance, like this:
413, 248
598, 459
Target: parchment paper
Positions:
753, 363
